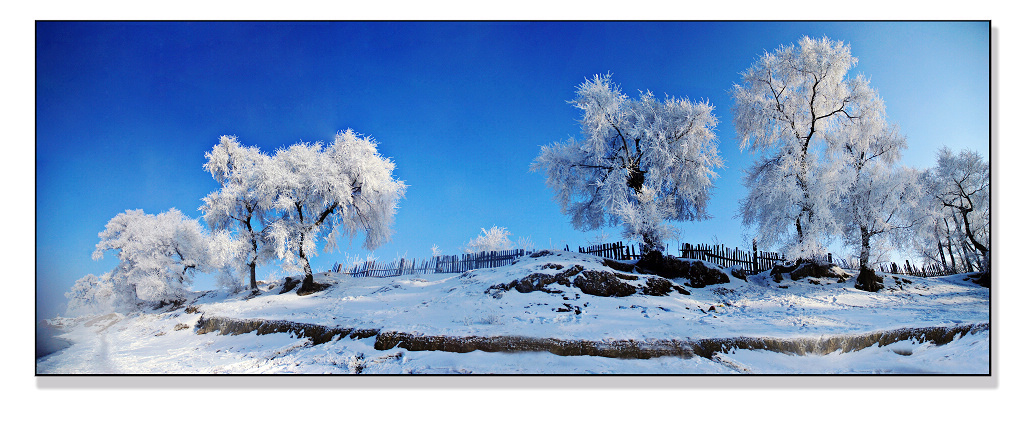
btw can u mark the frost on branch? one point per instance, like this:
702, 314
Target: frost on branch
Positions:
788, 106
158, 256
332, 192
643, 162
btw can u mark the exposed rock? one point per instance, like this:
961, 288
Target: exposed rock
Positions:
289, 284
592, 282
738, 273
868, 281
699, 273
657, 286
813, 269
622, 349
779, 269
807, 268
982, 279
537, 282
603, 283
619, 266
539, 254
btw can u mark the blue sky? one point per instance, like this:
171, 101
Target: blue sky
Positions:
125, 111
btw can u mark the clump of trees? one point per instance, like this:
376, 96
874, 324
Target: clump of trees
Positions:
642, 163
282, 206
793, 107
828, 166
956, 217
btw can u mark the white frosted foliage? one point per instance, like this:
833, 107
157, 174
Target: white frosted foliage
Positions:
642, 163
330, 192
158, 255
493, 239
789, 107
242, 205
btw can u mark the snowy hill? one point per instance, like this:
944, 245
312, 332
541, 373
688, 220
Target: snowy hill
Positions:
552, 312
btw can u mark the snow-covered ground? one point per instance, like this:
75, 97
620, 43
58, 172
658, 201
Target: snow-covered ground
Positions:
462, 305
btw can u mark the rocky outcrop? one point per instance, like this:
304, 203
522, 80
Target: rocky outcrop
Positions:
699, 273
591, 282
808, 269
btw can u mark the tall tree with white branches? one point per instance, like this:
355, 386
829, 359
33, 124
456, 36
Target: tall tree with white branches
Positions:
243, 203
877, 198
643, 162
788, 103
340, 190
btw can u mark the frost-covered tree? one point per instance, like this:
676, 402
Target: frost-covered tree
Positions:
242, 205
642, 164
330, 192
495, 239
788, 103
876, 198
158, 256
91, 295
879, 210
958, 189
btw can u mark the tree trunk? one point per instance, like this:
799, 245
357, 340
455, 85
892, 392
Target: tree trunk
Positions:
967, 257
943, 256
949, 250
307, 280
865, 247
252, 276
970, 233
255, 252
799, 231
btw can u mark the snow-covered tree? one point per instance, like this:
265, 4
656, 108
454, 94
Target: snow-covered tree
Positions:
158, 256
243, 205
877, 199
330, 192
788, 103
495, 239
958, 190
91, 295
879, 210
643, 163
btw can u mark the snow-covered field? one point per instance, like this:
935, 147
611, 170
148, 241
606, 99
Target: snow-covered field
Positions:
465, 305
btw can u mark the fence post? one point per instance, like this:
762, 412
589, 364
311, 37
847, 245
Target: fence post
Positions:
755, 257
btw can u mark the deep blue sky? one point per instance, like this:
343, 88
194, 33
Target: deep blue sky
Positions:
125, 111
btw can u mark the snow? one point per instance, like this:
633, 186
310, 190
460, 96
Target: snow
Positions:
460, 305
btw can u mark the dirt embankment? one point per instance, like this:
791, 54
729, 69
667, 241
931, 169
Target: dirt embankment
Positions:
623, 349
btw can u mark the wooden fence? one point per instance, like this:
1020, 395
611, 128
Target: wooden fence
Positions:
616, 251
437, 265
751, 262
928, 270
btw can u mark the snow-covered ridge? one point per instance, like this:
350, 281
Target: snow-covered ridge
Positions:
469, 305
472, 313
